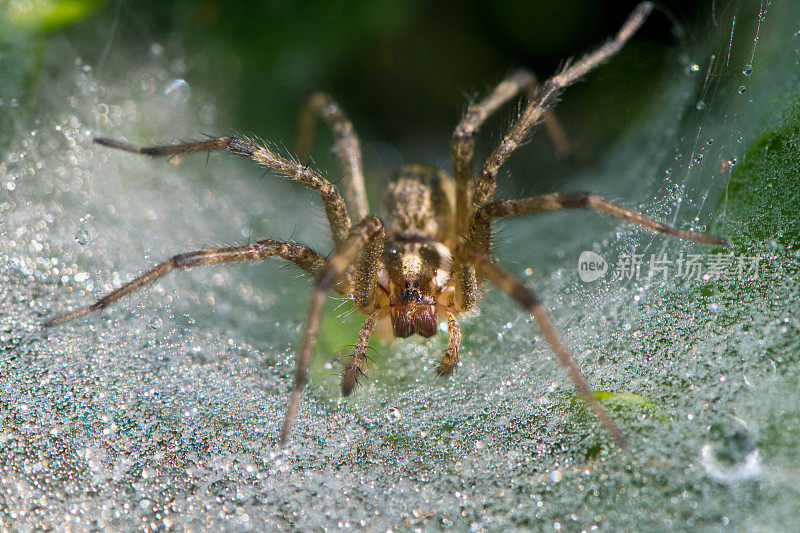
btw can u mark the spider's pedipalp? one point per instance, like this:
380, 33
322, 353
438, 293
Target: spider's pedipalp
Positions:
449, 358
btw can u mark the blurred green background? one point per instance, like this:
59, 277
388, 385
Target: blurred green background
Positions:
403, 70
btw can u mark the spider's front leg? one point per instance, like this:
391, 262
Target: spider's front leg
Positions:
362, 249
547, 96
352, 370
364, 284
516, 290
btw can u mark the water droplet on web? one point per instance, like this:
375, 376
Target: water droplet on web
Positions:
208, 114
156, 323
178, 89
742, 89
701, 105
730, 455
82, 237
748, 70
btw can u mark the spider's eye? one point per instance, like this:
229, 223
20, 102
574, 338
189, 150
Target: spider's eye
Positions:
391, 253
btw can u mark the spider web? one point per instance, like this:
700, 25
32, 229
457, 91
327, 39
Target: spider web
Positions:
165, 410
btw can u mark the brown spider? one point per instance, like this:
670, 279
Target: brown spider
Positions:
427, 258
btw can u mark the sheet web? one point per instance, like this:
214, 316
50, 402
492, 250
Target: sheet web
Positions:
165, 410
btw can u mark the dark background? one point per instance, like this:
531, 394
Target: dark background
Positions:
403, 70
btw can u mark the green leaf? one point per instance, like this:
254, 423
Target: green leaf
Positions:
48, 15
763, 197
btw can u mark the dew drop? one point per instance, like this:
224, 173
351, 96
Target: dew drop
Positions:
742, 89
700, 105
208, 114
178, 89
748, 70
156, 323
82, 237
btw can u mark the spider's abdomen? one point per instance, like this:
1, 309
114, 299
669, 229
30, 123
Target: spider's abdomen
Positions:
418, 205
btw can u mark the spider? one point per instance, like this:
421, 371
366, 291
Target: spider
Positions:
427, 257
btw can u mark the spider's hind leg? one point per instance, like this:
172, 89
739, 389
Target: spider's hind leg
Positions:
348, 147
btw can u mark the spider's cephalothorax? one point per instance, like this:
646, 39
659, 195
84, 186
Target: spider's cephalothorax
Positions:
415, 266
427, 257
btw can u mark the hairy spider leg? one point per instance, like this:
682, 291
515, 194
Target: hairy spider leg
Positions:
467, 284
366, 235
335, 208
300, 255
347, 147
547, 95
449, 358
467, 258
462, 146
480, 231
517, 291
352, 370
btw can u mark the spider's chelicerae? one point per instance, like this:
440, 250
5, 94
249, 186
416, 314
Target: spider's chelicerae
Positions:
426, 258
